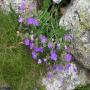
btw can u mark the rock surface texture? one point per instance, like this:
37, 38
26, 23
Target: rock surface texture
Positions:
5, 4
77, 19
65, 78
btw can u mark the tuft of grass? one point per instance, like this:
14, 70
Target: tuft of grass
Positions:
17, 69
86, 87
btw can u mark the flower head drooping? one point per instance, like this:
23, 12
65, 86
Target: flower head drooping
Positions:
39, 61
21, 19
32, 21
53, 55
26, 41
68, 57
43, 39
44, 59
22, 5
50, 45
31, 45
67, 37
34, 55
38, 49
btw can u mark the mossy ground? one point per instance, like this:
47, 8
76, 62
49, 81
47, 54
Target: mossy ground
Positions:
17, 69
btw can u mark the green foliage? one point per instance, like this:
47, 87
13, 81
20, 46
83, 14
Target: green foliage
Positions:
49, 26
86, 87
53, 8
17, 69
46, 4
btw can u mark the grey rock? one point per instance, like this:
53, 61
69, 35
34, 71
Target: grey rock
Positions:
77, 19
67, 79
57, 1
5, 5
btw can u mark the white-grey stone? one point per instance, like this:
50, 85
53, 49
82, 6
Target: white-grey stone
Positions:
77, 19
57, 1
67, 79
5, 5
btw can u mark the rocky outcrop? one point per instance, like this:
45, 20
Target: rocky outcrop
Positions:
5, 4
77, 19
65, 78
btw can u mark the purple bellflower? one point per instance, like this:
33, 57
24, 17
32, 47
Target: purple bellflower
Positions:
22, 5
38, 49
31, 45
68, 57
26, 41
50, 45
21, 19
53, 55
32, 21
34, 55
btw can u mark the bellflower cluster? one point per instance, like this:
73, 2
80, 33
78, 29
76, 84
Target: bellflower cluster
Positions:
45, 50
45, 44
